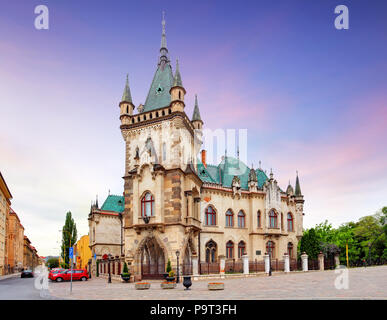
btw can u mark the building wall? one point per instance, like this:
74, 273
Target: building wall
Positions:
5, 202
83, 252
4, 212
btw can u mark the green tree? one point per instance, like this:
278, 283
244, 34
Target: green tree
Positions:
53, 263
69, 238
310, 243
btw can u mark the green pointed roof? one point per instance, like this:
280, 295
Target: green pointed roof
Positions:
177, 79
196, 113
126, 96
158, 95
114, 203
224, 173
297, 192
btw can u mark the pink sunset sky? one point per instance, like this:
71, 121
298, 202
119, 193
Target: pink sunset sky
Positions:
312, 98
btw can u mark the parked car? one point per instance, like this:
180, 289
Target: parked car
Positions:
57, 270
77, 274
27, 274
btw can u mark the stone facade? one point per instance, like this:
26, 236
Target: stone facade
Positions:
175, 204
5, 202
15, 242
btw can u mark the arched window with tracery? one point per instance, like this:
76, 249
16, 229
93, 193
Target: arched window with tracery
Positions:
229, 218
290, 250
229, 250
241, 249
210, 216
259, 219
272, 219
270, 246
211, 250
147, 205
241, 219
290, 222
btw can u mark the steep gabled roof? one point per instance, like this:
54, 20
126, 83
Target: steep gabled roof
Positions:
224, 173
114, 203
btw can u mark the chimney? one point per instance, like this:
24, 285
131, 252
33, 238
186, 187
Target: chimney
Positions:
204, 158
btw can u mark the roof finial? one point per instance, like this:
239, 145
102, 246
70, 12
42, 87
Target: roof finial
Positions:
163, 36
163, 48
96, 201
260, 164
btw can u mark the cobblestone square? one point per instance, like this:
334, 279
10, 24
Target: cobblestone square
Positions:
364, 283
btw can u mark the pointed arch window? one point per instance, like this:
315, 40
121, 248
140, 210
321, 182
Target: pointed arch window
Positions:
210, 216
259, 219
241, 249
273, 219
229, 250
229, 218
211, 248
270, 246
290, 222
241, 219
147, 205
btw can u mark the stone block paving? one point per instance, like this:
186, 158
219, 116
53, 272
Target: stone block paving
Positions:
364, 283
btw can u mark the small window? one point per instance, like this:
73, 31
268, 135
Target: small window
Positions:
147, 205
259, 219
170, 111
210, 216
273, 219
241, 249
290, 222
229, 250
229, 218
241, 219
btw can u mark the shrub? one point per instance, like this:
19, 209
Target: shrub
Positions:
125, 268
169, 267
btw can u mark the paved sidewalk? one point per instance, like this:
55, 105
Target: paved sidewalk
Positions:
364, 283
12, 275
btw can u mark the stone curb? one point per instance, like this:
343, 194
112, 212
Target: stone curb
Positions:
13, 275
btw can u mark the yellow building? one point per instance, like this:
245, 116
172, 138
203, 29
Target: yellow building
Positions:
5, 202
82, 252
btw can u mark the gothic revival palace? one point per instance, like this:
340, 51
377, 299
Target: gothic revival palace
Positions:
175, 204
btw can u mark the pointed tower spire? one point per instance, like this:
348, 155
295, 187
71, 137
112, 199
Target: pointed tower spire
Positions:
163, 48
126, 96
297, 191
96, 201
177, 78
196, 112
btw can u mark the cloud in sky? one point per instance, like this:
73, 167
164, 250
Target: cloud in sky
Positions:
312, 99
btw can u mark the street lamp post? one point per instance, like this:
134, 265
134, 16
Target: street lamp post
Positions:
177, 270
270, 262
110, 277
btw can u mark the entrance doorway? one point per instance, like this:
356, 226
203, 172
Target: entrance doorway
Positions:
152, 260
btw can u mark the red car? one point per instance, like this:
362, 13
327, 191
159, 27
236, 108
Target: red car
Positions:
77, 274
55, 271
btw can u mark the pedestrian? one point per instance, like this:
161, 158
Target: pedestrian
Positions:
364, 263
